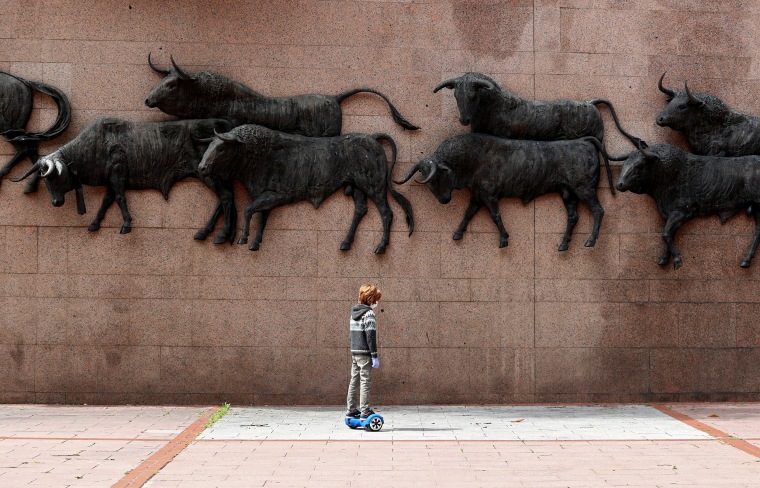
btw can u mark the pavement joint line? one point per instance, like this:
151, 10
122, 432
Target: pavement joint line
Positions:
455, 441
718, 434
119, 439
148, 468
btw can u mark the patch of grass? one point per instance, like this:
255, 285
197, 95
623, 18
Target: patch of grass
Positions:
218, 414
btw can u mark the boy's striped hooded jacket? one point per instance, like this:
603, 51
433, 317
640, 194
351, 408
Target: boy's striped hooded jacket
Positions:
363, 335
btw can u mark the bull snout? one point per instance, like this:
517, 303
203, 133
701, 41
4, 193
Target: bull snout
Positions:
204, 169
57, 201
660, 121
150, 102
464, 121
620, 186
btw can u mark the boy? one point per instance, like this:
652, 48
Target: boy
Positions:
363, 340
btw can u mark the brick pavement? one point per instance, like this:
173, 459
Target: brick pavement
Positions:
541, 446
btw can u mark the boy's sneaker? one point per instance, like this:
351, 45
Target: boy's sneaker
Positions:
366, 414
352, 414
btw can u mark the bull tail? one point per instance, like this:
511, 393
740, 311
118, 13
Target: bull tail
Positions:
606, 157
601, 101
61, 122
397, 117
401, 199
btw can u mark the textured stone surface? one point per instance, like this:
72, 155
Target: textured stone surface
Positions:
155, 316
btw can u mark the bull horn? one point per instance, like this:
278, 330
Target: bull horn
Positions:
182, 73
48, 168
225, 136
433, 169
35, 167
450, 84
409, 175
692, 99
483, 84
155, 68
647, 154
667, 91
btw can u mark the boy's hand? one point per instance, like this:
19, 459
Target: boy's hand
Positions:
375, 363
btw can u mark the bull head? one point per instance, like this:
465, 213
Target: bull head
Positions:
467, 91
176, 93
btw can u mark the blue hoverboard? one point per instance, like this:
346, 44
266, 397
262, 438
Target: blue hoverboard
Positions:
373, 423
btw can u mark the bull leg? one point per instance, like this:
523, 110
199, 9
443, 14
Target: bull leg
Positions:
226, 207
596, 208
675, 219
755, 241
34, 179
121, 201
262, 203
209, 227
23, 151
472, 209
493, 207
108, 200
263, 216
571, 206
386, 215
360, 210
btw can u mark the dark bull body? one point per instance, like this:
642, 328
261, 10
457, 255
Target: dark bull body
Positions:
16, 103
489, 109
278, 168
710, 127
493, 168
685, 186
122, 155
205, 95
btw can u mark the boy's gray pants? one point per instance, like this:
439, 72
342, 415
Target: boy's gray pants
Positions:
361, 367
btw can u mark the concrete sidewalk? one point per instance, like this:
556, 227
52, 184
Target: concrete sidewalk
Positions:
429, 446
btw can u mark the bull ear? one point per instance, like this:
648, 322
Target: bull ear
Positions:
692, 99
450, 84
184, 75
163, 71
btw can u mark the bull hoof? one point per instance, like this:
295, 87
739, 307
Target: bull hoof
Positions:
220, 239
380, 249
243, 240
562, 247
503, 243
745, 263
200, 235
677, 263
457, 236
589, 243
346, 246
663, 261
254, 246
125, 230
93, 227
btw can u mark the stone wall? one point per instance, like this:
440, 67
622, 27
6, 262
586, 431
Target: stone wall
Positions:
154, 316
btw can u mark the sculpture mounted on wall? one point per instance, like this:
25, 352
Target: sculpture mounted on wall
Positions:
16, 103
122, 155
685, 186
277, 168
711, 128
489, 109
204, 95
493, 168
